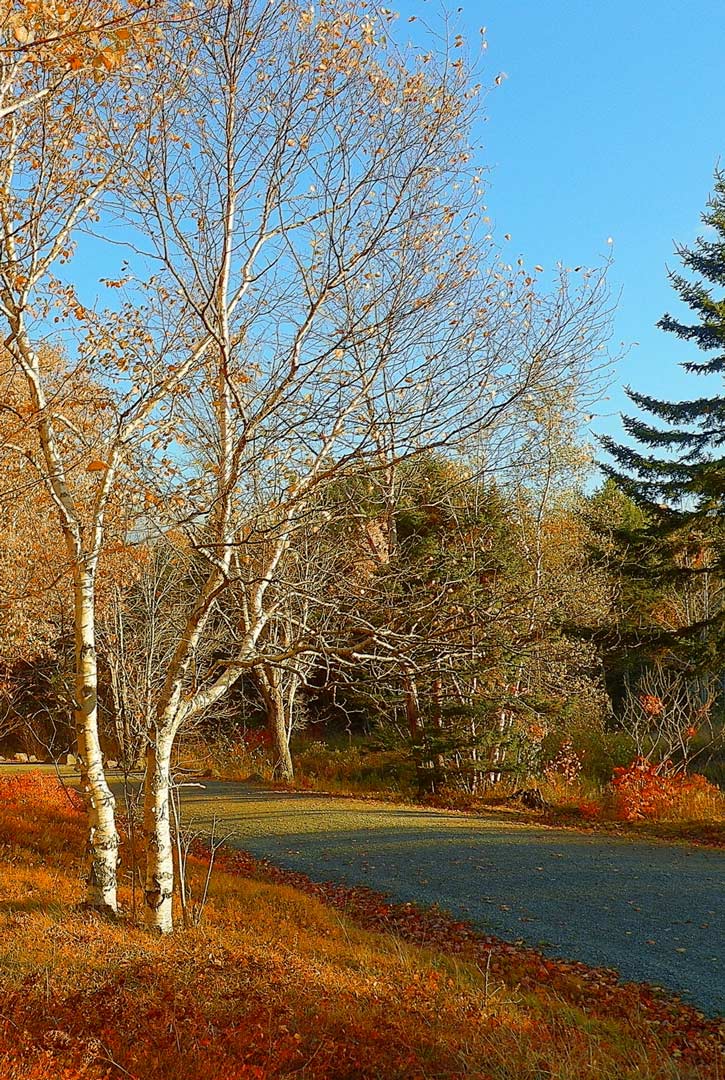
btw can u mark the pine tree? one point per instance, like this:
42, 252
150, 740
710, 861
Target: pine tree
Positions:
677, 475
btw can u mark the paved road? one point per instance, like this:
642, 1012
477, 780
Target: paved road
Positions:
656, 912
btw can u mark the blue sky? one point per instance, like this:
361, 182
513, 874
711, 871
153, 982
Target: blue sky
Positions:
609, 124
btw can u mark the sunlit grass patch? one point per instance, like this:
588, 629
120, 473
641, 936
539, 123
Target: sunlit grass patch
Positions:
306, 981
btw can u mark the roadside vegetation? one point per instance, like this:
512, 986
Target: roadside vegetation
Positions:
286, 978
638, 801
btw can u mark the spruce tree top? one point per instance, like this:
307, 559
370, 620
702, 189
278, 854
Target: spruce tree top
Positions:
683, 478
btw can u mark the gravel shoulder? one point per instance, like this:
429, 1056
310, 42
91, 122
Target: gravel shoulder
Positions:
654, 912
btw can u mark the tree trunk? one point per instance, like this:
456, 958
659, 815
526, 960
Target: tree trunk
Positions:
439, 761
498, 752
102, 835
270, 687
159, 884
424, 772
278, 729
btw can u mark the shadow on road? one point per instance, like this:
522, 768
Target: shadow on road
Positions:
652, 911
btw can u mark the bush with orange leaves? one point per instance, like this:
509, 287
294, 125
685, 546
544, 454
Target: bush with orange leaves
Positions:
651, 704
647, 790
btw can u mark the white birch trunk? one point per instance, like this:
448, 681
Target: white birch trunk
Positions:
159, 884
102, 847
102, 835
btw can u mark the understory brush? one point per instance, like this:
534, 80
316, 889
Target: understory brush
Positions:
288, 978
226, 757
639, 801
350, 767
634, 793
355, 768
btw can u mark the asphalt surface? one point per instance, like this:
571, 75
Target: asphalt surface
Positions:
655, 912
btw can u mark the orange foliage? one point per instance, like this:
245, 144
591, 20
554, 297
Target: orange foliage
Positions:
31, 793
646, 790
35, 567
277, 983
32, 554
67, 37
652, 705
37, 812
589, 809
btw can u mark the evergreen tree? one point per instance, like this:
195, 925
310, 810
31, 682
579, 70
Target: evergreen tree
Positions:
676, 475
622, 549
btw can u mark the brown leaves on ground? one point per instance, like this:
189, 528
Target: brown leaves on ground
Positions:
517, 967
289, 978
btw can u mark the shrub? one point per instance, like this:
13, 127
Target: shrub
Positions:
645, 790
232, 757
566, 765
354, 768
34, 793
599, 751
589, 810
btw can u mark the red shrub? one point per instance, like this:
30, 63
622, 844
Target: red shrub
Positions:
32, 792
37, 812
589, 810
646, 790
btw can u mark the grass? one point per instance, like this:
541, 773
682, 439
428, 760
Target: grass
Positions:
353, 770
289, 979
347, 768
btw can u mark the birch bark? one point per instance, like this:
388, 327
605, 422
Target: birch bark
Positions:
159, 882
102, 835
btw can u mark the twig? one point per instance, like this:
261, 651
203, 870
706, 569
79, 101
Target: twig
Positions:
112, 1060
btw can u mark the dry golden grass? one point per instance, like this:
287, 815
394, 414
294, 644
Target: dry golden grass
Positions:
276, 984
697, 815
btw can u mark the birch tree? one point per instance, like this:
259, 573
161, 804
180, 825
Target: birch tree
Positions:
61, 154
293, 193
304, 226
50, 178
